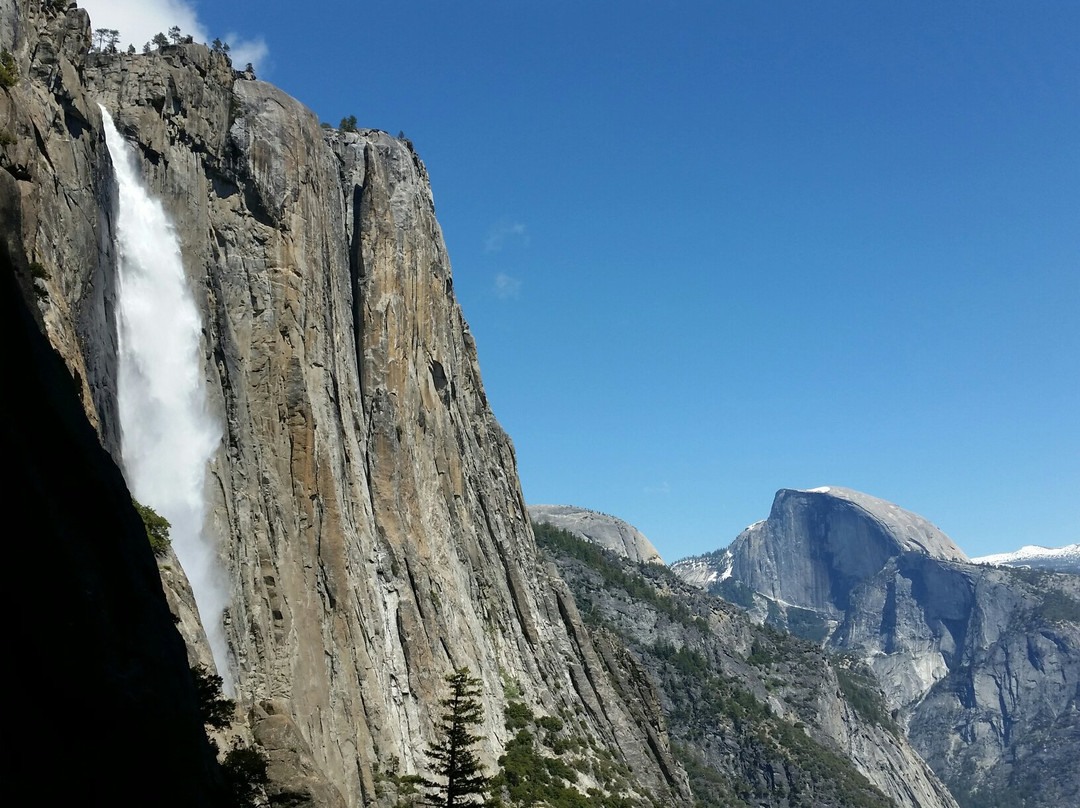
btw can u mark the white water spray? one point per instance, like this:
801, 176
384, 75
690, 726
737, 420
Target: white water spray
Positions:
167, 434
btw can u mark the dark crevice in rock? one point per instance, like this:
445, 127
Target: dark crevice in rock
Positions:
357, 277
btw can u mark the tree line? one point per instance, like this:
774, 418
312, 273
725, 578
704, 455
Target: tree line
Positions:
107, 40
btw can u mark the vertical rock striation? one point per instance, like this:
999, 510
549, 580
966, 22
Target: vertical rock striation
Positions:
365, 500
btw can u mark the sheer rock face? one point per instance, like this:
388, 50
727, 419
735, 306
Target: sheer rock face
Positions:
366, 501
799, 685
983, 663
817, 545
609, 532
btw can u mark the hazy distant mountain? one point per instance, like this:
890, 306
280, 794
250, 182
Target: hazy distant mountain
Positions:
599, 528
1032, 556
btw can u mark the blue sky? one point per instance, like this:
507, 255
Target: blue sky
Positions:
713, 249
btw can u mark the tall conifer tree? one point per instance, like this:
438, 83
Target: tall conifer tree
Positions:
462, 781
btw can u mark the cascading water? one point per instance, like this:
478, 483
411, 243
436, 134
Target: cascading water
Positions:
167, 434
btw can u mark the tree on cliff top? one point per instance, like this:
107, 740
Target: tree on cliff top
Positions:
452, 757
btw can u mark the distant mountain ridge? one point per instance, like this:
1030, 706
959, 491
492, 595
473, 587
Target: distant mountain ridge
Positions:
607, 531
1033, 556
981, 662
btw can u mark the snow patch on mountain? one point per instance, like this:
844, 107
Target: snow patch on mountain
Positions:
1060, 559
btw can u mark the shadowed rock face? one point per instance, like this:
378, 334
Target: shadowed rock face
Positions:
366, 501
817, 545
983, 663
609, 532
96, 675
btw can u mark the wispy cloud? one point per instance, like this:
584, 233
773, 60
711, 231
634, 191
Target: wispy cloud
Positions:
138, 21
504, 232
507, 286
663, 488
243, 51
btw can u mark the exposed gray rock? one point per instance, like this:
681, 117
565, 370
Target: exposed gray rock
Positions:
366, 501
759, 717
983, 663
609, 532
817, 545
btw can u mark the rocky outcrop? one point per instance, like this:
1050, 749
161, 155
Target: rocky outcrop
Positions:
609, 532
757, 717
983, 664
366, 502
817, 545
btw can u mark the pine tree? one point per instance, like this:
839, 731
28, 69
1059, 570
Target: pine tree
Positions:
452, 757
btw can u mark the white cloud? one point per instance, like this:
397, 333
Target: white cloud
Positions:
138, 21
503, 232
663, 488
243, 51
506, 286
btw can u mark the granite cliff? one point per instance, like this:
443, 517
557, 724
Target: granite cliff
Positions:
982, 663
757, 717
365, 501
609, 532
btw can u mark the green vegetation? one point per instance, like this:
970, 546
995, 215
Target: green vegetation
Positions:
530, 778
710, 788
720, 706
9, 73
245, 771
105, 40
528, 775
685, 660
157, 529
244, 768
736, 750
1058, 607
638, 587
807, 623
454, 761
734, 592
860, 689
348, 124
216, 709
761, 654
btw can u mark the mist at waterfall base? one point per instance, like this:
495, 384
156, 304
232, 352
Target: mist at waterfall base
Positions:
167, 434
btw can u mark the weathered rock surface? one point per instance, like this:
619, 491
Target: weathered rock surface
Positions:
609, 532
817, 545
983, 663
758, 717
366, 501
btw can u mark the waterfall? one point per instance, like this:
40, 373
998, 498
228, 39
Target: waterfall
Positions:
167, 434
